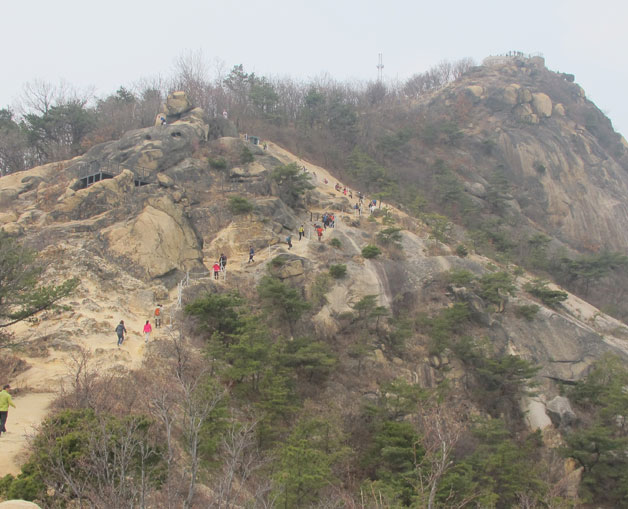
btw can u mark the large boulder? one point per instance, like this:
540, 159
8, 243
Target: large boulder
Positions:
560, 412
178, 103
542, 105
147, 150
7, 217
474, 303
525, 113
511, 94
158, 241
98, 198
18, 504
524, 95
287, 266
476, 189
196, 119
220, 127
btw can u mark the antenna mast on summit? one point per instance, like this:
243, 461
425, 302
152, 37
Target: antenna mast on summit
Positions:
380, 68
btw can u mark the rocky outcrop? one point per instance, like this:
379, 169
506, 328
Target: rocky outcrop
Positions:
101, 197
560, 412
152, 149
158, 241
542, 105
18, 504
287, 266
177, 103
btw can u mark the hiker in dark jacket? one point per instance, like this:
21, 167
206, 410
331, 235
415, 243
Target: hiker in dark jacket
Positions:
120, 331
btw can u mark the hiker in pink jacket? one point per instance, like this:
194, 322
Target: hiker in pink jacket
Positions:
147, 330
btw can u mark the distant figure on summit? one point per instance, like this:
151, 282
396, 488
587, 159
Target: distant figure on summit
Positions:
251, 254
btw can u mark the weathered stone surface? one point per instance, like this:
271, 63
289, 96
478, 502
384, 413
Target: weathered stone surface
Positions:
158, 241
96, 199
164, 180
560, 412
475, 189
7, 196
221, 127
511, 94
143, 299
277, 210
474, 303
524, 95
536, 413
153, 149
563, 348
525, 114
288, 266
18, 504
559, 109
475, 90
7, 217
542, 105
178, 103
14, 229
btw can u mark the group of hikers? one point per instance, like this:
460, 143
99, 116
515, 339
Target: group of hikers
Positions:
328, 220
147, 329
344, 190
220, 265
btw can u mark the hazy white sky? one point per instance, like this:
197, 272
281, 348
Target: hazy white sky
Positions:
114, 43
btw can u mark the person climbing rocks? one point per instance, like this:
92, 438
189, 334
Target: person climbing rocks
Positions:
289, 241
216, 268
265, 146
332, 220
319, 232
222, 261
158, 316
162, 119
147, 330
301, 232
120, 331
5, 401
251, 254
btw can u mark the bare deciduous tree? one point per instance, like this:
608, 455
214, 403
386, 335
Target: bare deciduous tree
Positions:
441, 425
119, 465
240, 460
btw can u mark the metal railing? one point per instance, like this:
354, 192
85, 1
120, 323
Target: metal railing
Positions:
108, 169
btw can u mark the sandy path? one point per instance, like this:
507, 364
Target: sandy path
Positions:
31, 409
41, 382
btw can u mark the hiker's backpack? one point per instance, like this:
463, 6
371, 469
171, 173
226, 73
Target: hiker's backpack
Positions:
157, 312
